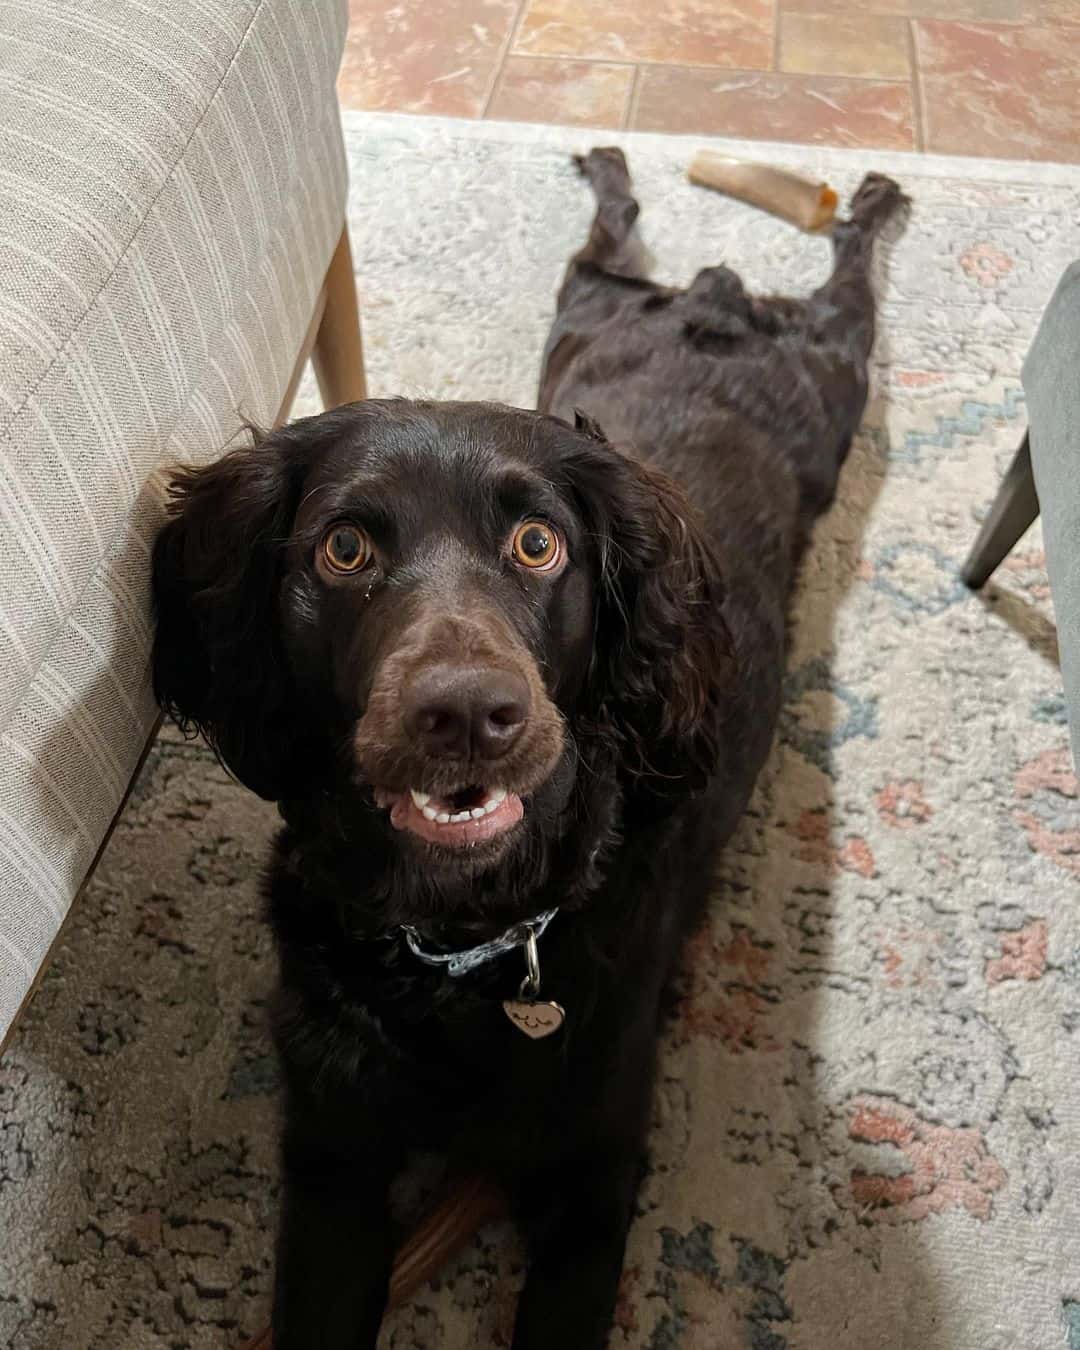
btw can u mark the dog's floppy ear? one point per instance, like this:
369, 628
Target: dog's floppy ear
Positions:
218, 667
663, 657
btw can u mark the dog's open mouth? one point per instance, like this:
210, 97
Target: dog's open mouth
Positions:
473, 815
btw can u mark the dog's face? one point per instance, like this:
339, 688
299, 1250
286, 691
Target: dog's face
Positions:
438, 597
438, 611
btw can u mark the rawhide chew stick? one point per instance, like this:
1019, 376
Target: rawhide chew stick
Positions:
811, 206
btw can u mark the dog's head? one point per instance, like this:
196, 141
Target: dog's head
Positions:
441, 613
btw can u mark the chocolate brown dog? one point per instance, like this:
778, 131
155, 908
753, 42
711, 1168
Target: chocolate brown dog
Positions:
511, 677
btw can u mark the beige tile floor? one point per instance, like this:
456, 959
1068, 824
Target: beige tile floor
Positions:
979, 77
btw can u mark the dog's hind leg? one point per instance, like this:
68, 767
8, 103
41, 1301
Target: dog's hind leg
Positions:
612, 243
841, 313
612, 262
838, 322
613, 248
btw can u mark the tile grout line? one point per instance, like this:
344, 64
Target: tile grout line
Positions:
496, 84
504, 54
776, 36
918, 110
718, 71
630, 111
626, 63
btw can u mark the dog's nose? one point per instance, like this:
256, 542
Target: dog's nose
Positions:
456, 712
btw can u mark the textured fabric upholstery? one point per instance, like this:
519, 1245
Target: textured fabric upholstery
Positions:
1051, 380
172, 185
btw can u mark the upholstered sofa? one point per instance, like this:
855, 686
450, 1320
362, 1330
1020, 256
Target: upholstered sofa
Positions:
172, 202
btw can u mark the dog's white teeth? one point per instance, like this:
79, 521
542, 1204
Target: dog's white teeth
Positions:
433, 809
492, 804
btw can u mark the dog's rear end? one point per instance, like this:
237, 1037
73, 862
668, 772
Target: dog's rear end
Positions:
708, 382
751, 402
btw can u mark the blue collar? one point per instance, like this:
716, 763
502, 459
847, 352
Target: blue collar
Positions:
460, 963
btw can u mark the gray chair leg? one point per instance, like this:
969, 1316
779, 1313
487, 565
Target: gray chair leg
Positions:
1013, 510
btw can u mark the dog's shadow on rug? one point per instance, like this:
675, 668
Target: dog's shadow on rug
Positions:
137, 1122
760, 1159
766, 1168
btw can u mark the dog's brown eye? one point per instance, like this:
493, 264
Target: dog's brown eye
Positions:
345, 548
536, 544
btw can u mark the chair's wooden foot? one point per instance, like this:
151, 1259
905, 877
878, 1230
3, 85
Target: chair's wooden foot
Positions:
338, 354
1012, 511
442, 1232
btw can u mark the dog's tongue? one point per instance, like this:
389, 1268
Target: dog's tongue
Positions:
405, 815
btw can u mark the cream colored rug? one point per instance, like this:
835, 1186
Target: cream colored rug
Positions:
868, 1124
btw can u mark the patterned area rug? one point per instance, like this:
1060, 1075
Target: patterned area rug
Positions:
867, 1130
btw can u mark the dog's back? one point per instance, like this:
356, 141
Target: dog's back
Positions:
750, 402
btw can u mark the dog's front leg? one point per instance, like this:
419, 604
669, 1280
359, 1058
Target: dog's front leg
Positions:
576, 1254
334, 1249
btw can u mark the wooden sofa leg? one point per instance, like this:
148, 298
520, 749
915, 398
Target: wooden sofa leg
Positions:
338, 354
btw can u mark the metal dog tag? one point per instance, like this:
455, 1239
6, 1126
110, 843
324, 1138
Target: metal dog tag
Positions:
536, 1018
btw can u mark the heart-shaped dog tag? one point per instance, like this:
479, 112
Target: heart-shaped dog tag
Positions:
534, 1019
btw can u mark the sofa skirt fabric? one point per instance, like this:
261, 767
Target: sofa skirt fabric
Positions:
172, 185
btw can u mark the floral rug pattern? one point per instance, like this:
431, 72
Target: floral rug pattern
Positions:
867, 1128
